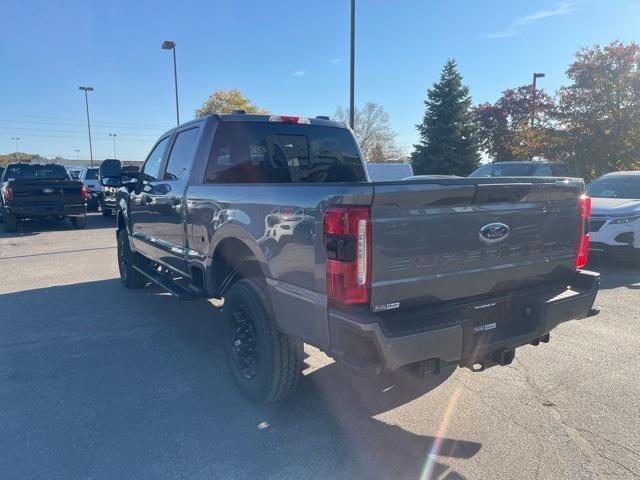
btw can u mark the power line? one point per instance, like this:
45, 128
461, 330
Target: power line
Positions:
75, 138
79, 124
81, 121
79, 132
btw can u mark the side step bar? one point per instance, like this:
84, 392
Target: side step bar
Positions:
167, 284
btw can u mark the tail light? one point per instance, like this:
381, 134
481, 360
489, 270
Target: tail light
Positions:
582, 252
347, 240
85, 193
8, 194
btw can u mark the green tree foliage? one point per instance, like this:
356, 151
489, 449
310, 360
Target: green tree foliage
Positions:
448, 143
505, 128
373, 132
600, 110
224, 101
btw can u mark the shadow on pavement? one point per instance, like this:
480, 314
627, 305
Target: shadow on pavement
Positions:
103, 382
34, 227
615, 273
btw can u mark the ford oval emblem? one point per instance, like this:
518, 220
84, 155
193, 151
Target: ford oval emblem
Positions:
494, 232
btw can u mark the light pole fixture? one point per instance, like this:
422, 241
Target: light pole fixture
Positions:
86, 101
169, 45
16, 139
113, 137
77, 150
533, 98
352, 65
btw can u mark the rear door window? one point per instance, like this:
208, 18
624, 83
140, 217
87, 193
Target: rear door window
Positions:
260, 152
543, 171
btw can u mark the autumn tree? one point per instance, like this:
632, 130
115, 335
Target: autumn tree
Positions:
224, 101
600, 110
519, 126
447, 133
372, 129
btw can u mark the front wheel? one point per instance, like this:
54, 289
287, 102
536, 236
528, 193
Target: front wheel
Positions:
79, 223
10, 222
264, 364
129, 276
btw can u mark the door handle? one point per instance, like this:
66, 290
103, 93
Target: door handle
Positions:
146, 199
176, 201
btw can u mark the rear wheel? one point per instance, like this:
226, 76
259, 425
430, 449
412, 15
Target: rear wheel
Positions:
264, 364
130, 277
10, 222
79, 222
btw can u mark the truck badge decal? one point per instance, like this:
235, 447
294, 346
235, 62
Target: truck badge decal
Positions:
385, 307
494, 233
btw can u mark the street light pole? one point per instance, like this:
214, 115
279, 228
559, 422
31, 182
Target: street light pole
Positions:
169, 45
77, 150
16, 139
533, 105
86, 101
352, 65
113, 136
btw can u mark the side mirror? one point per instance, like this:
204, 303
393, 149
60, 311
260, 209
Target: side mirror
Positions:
111, 173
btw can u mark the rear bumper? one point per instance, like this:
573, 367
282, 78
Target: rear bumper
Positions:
462, 333
47, 210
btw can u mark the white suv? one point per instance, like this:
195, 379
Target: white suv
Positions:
615, 218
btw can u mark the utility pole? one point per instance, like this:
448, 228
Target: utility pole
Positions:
16, 139
352, 64
533, 104
86, 101
113, 137
77, 150
169, 45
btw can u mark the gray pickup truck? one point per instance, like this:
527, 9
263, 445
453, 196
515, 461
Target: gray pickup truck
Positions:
274, 218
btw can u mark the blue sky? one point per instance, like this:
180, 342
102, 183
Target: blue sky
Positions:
288, 56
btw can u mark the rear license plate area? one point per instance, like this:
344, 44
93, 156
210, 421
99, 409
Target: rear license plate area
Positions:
488, 322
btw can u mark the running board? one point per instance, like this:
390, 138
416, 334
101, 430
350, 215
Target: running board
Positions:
166, 283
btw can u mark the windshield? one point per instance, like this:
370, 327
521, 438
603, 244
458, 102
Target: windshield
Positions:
74, 174
615, 187
52, 172
92, 174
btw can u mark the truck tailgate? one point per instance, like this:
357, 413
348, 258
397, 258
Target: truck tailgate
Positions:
435, 241
46, 192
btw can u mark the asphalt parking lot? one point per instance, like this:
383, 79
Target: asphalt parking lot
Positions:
100, 382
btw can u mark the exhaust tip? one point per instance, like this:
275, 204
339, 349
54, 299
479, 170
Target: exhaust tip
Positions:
505, 357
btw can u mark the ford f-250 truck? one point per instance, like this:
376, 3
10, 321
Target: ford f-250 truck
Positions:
41, 191
274, 217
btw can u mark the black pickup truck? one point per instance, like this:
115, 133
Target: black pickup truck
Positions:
274, 218
41, 191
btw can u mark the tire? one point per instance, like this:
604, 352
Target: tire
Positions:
130, 277
79, 223
106, 212
10, 223
266, 365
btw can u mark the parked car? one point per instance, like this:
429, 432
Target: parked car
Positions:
108, 198
89, 176
424, 276
615, 224
523, 169
41, 191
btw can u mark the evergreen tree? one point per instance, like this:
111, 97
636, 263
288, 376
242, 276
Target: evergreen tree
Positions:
448, 143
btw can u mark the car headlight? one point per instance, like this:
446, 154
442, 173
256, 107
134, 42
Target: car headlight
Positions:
618, 221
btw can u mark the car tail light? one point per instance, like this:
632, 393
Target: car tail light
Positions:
582, 252
347, 240
8, 194
289, 119
85, 193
